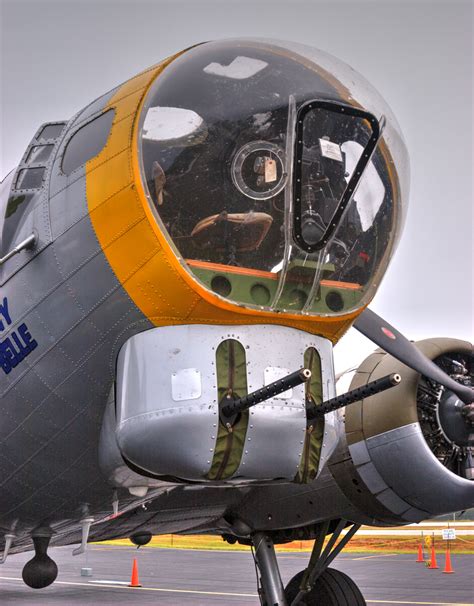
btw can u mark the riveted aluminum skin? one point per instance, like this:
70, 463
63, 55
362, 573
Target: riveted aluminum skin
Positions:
52, 404
408, 464
158, 414
282, 347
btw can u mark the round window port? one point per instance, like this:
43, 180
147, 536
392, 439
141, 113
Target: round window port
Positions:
334, 301
221, 285
296, 299
260, 294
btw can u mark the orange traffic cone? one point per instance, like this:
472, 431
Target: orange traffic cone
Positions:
433, 563
420, 553
134, 582
448, 569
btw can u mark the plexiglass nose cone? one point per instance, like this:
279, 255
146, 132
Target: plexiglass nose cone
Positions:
262, 166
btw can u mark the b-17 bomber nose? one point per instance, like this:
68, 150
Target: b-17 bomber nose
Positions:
250, 154
177, 262
243, 181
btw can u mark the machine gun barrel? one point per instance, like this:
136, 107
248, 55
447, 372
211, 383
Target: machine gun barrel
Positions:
354, 395
233, 408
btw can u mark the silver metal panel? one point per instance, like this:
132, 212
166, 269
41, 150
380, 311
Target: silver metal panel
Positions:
394, 435
154, 368
32, 221
403, 457
18, 406
38, 280
274, 440
88, 294
68, 205
333, 423
387, 497
275, 435
186, 384
415, 515
274, 373
177, 441
79, 346
145, 402
111, 462
53, 401
119, 311
359, 453
34, 218
76, 247
51, 311
391, 501
54, 366
371, 477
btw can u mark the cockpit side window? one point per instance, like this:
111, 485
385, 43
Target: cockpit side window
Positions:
87, 142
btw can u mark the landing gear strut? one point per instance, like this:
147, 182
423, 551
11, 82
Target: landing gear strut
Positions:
41, 570
272, 592
317, 585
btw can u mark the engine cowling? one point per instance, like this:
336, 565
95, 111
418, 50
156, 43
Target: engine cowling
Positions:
411, 447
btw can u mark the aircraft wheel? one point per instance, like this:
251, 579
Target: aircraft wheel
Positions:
332, 588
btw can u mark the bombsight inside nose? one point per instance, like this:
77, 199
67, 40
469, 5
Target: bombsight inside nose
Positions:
312, 227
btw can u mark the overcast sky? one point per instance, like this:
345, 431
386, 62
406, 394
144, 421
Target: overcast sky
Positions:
58, 56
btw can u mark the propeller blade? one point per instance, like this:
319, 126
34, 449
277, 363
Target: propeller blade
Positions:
393, 342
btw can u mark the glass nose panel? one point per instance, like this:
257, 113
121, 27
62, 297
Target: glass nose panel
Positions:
334, 145
266, 181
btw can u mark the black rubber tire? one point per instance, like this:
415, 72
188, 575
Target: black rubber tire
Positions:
332, 588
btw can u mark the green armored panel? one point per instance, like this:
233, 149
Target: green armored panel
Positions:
259, 288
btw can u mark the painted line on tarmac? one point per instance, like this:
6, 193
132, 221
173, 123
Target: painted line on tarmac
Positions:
380, 555
280, 554
114, 585
110, 582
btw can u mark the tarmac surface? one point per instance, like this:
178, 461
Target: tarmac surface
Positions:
201, 578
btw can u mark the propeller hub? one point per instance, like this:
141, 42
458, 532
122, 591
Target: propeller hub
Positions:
453, 420
445, 419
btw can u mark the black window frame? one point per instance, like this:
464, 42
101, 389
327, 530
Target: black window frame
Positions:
347, 110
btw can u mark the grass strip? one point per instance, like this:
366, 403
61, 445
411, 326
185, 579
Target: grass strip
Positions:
383, 544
